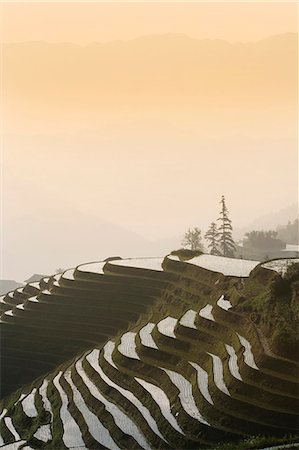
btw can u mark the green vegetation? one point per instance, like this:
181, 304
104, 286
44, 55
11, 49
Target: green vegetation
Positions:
263, 240
260, 442
272, 302
184, 254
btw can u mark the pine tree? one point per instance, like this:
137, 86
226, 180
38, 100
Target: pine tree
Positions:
212, 236
226, 242
192, 238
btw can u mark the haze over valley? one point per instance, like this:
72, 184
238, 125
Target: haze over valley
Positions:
118, 144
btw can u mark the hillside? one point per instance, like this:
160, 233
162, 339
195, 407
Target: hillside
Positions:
152, 353
8, 285
274, 220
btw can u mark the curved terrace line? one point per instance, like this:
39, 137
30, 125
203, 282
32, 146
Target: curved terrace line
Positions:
96, 428
122, 421
93, 359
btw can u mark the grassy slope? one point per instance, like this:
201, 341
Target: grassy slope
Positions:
271, 302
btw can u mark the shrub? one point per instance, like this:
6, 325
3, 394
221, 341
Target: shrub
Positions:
292, 273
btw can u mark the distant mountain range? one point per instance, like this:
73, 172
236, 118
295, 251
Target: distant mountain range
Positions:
63, 238
210, 86
78, 237
172, 73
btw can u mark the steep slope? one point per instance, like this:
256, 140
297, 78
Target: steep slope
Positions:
190, 371
79, 308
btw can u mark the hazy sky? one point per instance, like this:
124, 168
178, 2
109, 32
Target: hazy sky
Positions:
86, 22
123, 120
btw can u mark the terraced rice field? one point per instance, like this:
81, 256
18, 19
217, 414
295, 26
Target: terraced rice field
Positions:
226, 266
157, 362
280, 265
140, 263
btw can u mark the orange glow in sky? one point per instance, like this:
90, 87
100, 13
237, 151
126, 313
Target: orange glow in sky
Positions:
84, 22
139, 116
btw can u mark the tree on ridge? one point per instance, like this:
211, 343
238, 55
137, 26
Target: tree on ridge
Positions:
226, 242
192, 238
212, 236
